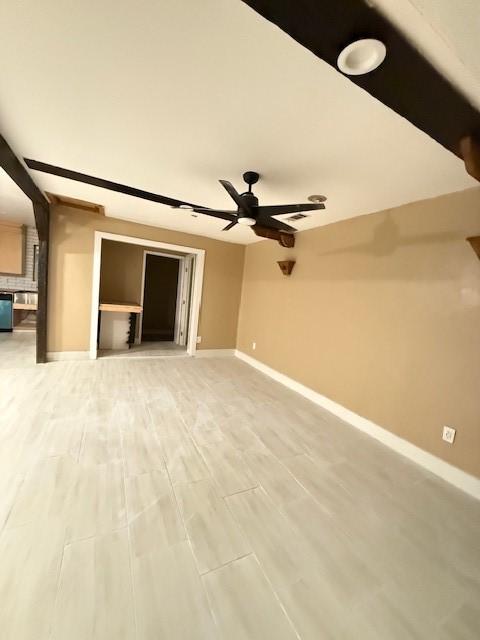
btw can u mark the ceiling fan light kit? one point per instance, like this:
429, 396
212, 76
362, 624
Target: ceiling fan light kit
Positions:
246, 221
361, 57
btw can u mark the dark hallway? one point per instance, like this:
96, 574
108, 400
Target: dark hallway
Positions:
160, 298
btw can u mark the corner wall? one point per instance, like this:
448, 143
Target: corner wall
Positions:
382, 315
71, 268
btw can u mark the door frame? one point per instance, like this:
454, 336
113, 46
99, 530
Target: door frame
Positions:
184, 297
197, 283
174, 256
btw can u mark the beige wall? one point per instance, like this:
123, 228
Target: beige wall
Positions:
121, 272
380, 314
71, 268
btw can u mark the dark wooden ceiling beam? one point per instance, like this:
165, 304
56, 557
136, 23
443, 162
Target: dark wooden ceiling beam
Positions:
69, 174
41, 209
283, 239
20, 176
17, 172
470, 152
406, 82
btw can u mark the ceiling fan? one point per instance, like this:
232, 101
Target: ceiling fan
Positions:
248, 212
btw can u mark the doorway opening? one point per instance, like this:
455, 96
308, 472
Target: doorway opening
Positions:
159, 298
166, 302
145, 297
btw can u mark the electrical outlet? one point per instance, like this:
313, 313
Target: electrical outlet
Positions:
199, 339
448, 434
254, 346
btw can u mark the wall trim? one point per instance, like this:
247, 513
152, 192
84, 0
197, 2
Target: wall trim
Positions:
138, 356
455, 476
61, 356
215, 353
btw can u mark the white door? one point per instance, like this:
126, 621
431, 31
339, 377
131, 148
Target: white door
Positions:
185, 277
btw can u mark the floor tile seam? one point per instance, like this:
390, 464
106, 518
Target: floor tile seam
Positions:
129, 540
191, 547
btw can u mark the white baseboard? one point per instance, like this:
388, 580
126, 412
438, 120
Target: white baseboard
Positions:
455, 476
61, 356
214, 353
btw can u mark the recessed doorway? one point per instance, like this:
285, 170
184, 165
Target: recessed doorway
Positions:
166, 302
146, 297
160, 292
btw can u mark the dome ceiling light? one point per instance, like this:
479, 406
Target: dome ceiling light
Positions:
361, 57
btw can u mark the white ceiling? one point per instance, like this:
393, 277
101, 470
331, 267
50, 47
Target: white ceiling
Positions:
171, 96
447, 32
14, 204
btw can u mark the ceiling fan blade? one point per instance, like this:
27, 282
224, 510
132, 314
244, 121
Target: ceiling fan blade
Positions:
104, 184
217, 213
275, 224
229, 226
236, 197
278, 209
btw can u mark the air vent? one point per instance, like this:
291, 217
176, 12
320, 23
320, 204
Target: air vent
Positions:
297, 216
73, 203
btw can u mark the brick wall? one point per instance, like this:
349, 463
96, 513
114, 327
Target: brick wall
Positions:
26, 282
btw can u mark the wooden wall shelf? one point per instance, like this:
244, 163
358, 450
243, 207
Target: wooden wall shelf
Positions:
286, 266
120, 307
475, 242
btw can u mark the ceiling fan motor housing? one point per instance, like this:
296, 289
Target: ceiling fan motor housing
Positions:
250, 199
245, 216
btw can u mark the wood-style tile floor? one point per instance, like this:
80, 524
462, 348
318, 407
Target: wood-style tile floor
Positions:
196, 499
